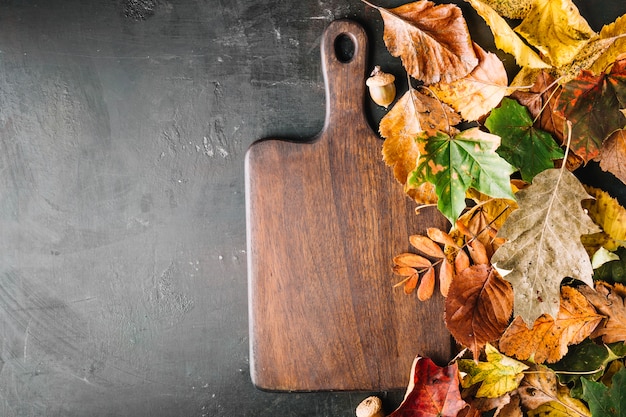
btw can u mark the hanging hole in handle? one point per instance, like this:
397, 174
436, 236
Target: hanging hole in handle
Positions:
344, 48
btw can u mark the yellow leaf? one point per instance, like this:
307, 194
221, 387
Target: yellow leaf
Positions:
585, 58
556, 29
606, 212
482, 90
506, 39
513, 9
616, 31
498, 376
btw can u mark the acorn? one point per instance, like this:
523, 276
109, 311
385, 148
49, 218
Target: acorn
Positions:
381, 87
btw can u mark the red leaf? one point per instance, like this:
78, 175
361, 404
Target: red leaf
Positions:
432, 392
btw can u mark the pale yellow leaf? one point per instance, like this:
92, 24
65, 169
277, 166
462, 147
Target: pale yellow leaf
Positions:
616, 31
512, 9
480, 91
609, 215
506, 39
556, 29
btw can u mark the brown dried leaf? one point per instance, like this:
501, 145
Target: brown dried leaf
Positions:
410, 284
613, 155
426, 246
607, 300
427, 286
478, 252
549, 338
461, 261
478, 307
480, 91
432, 40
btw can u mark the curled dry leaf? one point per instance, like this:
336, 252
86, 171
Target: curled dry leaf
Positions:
478, 307
432, 40
549, 338
613, 155
609, 302
477, 93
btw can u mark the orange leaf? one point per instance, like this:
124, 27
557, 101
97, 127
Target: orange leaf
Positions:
446, 275
478, 252
432, 40
461, 261
426, 246
608, 301
412, 260
548, 340
411, 283
427, 286
442, 237
478, 307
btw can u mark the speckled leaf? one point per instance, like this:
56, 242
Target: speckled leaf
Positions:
454, 164
616, 31
525, 147
556, 28
543, 243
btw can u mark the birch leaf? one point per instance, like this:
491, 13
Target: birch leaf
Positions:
476, 94
556, 28
506, 39
432, 40
543, 245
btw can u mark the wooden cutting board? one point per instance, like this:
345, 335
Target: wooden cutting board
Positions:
324, 220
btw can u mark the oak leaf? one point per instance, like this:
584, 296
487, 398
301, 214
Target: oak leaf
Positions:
609, 302
543, 243
613, 155
497, 376
542, 394
506, 39
478, 307
606, 212
433, 41
548, 339
556, 29
523, 146
413, 114
433, 391
592, 103
454, 164
480, 91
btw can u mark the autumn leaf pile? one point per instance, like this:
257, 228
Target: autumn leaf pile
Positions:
533, 265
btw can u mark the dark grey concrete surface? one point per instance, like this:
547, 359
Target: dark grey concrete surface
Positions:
123, 127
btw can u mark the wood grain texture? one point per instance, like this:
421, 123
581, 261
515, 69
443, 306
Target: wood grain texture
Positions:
324, 220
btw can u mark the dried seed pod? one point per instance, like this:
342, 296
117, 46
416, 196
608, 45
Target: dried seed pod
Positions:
381, 87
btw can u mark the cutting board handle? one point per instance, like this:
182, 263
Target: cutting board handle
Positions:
344, 79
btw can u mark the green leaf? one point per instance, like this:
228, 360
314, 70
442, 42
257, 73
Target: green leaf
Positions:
523, 146
499, 375
582, 359
604, 401
613, 271
455, 164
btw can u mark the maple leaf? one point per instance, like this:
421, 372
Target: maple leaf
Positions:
433, 41
498, 376
523, 146
608, 301
606, 212
454, 164
476, 94
543, 243
613, 155
542, 394
433, 391
604, 401
506, 39
592, 103
413, 114
556, 29
478, 307
548, 339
